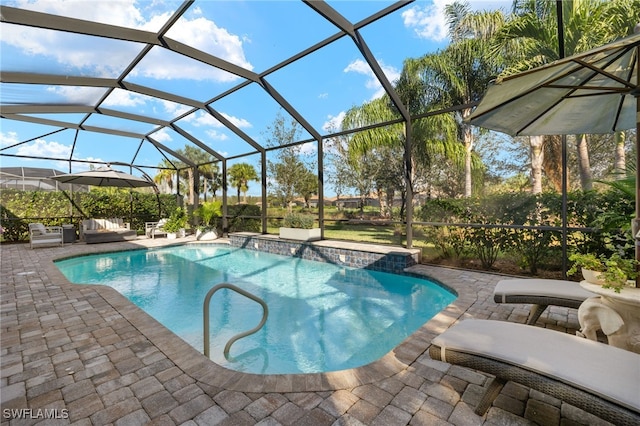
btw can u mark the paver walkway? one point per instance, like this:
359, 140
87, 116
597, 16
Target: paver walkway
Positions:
86, 355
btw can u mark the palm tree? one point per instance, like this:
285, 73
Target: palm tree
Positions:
197, 156
208, 174
460, 73
166, 174
530, 39
239, 176
431, 136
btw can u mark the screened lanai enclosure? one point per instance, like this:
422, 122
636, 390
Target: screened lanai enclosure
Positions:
104, 82
361, 91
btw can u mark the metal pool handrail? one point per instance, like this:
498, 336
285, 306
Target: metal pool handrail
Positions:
207, 299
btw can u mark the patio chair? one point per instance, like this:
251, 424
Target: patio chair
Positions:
44, 235
595, 377
540, 293
151, 229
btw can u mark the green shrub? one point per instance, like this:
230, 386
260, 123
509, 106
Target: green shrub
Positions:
244, 218
19, 208
177, 220
451, 241
208, 211
297, 220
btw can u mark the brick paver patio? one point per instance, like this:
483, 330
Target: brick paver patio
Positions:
88, 356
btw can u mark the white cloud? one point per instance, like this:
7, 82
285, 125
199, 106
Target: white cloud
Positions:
107, 58
238, 122
205, 35
42, 148
333, 123
175, 109
427, 20
217, 136
115, 12
161, 135
202, 118
78, 95
119, 97
308, 148
323, 95
8, 138
361, 67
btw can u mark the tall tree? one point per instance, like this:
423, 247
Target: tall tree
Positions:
432, 136
460, 74
209, 174
197, 156
166, 174
355, 171
288, 170
530, 39
239, 176
307, 186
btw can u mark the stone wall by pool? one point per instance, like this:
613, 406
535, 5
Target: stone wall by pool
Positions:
357, 255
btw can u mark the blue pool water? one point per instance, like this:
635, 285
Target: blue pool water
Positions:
322, 317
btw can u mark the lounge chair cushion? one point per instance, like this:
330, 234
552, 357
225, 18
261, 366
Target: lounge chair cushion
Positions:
561, 289
611, 373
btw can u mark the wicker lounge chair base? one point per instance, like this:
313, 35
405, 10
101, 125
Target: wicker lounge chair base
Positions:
540, 293
597, 378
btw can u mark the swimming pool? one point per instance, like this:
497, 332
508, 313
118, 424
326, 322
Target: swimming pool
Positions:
322, 317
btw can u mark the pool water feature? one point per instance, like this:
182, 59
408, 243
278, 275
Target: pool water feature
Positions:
322, 316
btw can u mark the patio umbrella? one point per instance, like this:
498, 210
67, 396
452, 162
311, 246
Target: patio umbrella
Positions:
105, 176
592, 92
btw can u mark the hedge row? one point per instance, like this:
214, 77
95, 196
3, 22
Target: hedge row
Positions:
19, 208
598, 223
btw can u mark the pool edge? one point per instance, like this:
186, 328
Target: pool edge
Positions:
206, 371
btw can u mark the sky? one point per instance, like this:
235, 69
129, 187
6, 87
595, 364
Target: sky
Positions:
255, 35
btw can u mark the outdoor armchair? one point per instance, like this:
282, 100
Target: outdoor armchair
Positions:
151, 229
44, 235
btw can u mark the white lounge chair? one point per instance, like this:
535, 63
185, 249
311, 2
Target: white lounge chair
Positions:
44, 235
540, 293
600, 379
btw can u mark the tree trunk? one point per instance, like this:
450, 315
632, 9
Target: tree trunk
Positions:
390, 193
379, 194
468, 148
552, 161
537, 157
205, 189
192, 184
620, 160
584, 167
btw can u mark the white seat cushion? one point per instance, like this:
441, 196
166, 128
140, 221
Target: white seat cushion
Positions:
541, 287
611, 373
39, 228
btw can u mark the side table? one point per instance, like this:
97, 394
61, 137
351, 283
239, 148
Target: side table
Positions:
68, 233
616, 314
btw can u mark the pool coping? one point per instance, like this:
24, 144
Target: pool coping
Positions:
194, 363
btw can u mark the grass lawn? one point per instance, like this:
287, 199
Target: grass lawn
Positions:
375, 234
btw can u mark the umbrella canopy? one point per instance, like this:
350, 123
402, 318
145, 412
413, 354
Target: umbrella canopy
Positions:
591, 92
104, 177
